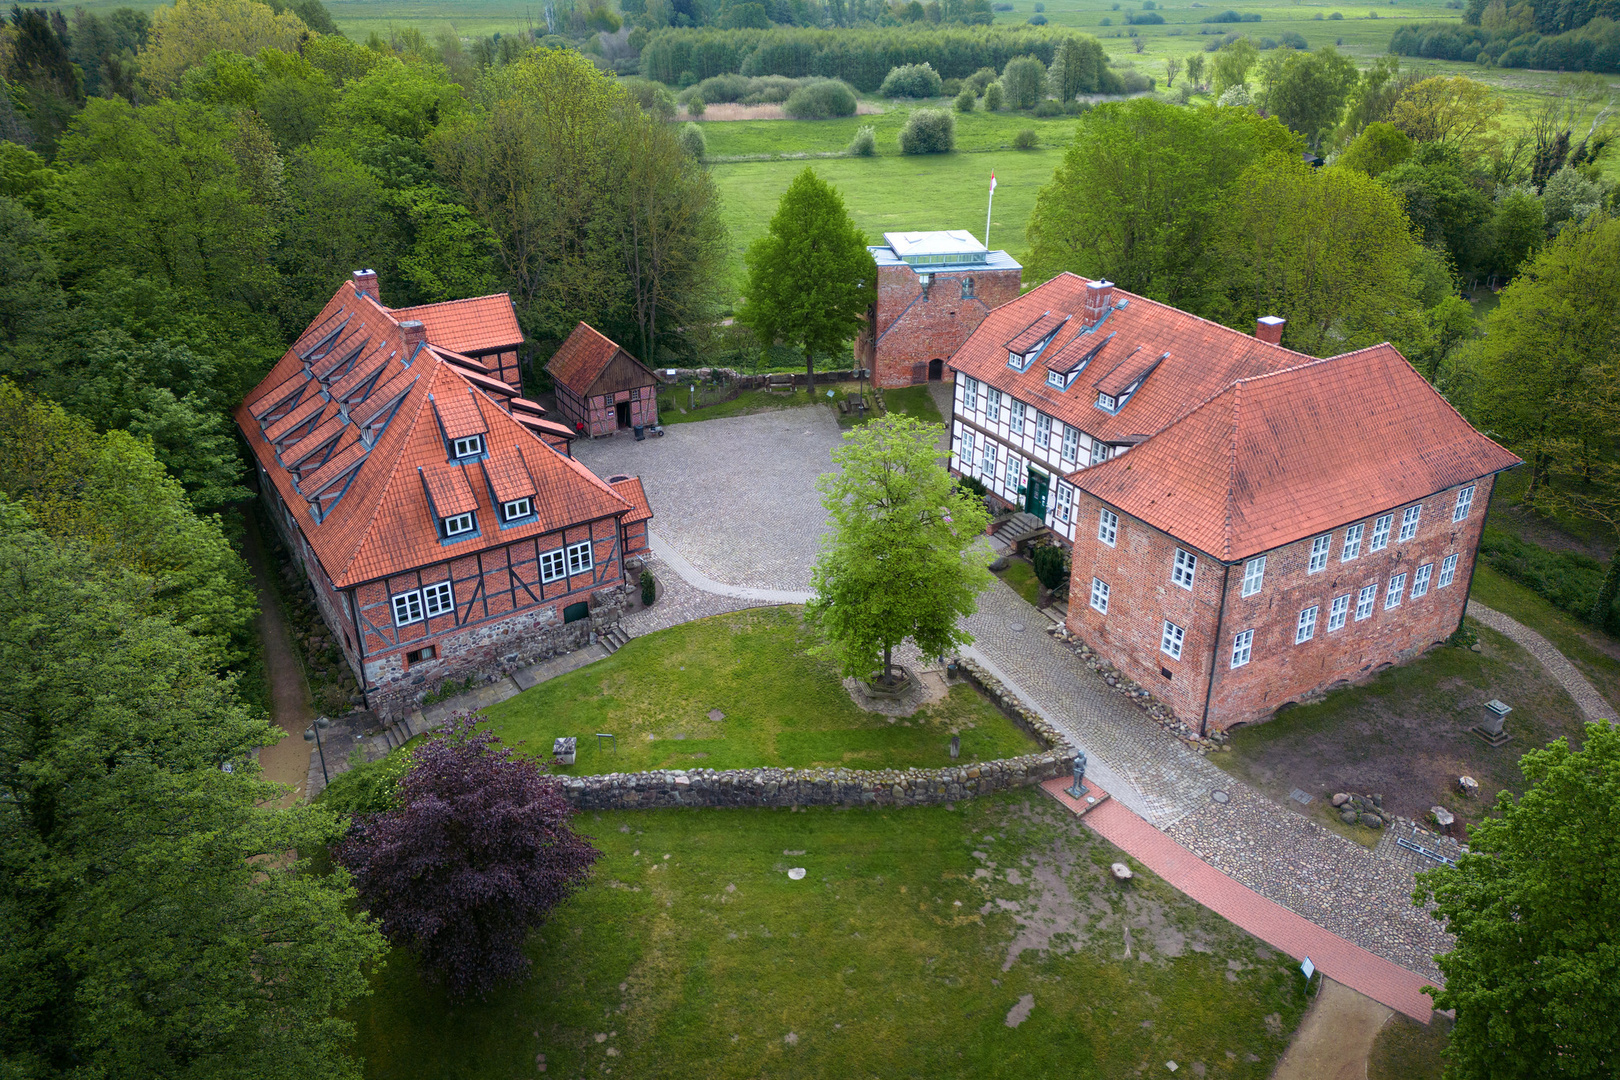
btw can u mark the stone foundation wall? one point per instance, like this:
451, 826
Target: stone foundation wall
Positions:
836, 787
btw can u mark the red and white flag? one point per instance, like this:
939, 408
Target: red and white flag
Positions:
992, 180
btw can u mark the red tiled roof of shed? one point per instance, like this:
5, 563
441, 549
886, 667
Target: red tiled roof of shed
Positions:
582, 358
1281, 457
477, 324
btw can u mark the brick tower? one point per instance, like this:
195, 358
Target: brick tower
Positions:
934, 288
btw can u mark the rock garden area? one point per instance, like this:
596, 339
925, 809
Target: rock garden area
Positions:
981, 939
743, 690
1405, 737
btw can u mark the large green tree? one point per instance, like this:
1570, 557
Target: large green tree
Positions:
1136, 197
1535, 908
901, 560
1307, 91
811, 281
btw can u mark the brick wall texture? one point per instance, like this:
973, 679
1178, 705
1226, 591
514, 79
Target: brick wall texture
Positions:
1142, 596
906, 330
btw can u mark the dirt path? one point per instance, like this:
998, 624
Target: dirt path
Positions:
285, 762
1335, 1038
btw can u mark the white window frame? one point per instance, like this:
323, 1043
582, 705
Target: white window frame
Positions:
1448, 572
1043, 430
407, 607
468, 446
1396, 591
1065, 502
1015, 417
1321, 548
1099, 595
1107, 402
1099, 451
970, 394
1172, 640
1242, 648
988, 458
1465, 503
1409, 523
1305, 626
992, 405
1185, 566
1420, 580
965, 455
517, 508
438, 598
1057, 379
1254, 575
1108, 527
459, 524
1366, 600
553, 565
581, 557
1338, 613
1071, 443
1352, 543
1015, 465
1380, 534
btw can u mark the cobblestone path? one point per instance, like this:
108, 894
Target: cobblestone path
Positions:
1557, 664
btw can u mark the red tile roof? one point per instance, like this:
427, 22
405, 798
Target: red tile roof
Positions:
449, 489
365, 511
582, 358
476, 373
479, 324
508, 477
1204, 358
631, 491
1281, 457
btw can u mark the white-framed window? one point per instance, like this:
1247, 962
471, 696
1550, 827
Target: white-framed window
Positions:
471, 446
1099, 595
967, 451
1099, 451
456, 524
553, 565
1015, 468
438, 599
1057, 379
579, 557
1108, 527
1380, 536
1065, 501
1337, 612
1352, 543
1420, 580
517, 508
1043, 430
1254, 575
992, 404
1106, 401
1396, 590
1071, 443
1320, 547
1015, 417
1409, 522
408, 608
988, 464
1465, 503
1242, 646
1172, 639
1181, 572
1364, 601
970, 394
1305, 628
1448, 571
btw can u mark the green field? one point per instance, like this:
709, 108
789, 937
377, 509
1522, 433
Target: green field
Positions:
904, 952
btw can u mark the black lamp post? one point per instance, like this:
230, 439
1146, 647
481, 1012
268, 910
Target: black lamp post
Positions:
313, 734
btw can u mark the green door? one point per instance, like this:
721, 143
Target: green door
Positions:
1035, 493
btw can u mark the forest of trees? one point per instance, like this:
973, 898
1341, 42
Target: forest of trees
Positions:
1575, 35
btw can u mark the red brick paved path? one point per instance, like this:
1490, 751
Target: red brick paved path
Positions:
1272, 923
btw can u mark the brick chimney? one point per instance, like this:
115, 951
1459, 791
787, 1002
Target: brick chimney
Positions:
1269, 328
365, 283
1099, 298
415, 335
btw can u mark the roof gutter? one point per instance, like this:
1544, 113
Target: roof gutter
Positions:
1215, 653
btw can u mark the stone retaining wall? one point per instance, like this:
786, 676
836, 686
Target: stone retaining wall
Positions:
836, 787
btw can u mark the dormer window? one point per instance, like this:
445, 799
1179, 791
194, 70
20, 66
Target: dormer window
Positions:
517, 508
1107, 402
1055, 378
458, 525
471, 446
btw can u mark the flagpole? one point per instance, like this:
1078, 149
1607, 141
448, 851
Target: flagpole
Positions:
990, 206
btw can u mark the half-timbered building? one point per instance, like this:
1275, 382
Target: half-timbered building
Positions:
601, 389
437, 513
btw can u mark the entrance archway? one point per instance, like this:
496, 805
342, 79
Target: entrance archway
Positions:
936, 370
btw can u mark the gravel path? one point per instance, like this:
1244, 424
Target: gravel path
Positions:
1557, 664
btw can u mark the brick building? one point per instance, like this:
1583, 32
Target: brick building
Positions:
933, 290
1248, 526
437, 514
601, 386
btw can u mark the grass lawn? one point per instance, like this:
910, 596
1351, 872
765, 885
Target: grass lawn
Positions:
1021, 576
1594, 653
914, 401
672, 405
1408, 1050
1405, 735
904, 952
780, 706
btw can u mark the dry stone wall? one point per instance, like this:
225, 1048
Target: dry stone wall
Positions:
836, 787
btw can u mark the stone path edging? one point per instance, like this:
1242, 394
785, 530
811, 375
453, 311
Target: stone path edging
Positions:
1586, 696
698, 579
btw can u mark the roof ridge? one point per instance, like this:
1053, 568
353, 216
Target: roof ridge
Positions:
1208, 322
447, 303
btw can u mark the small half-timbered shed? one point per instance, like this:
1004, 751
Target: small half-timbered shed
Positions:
601, 386
437, 514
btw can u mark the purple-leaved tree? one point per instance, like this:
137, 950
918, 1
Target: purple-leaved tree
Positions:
475, 855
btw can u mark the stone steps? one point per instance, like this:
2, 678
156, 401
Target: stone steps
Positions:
1020, 527
614, 640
